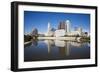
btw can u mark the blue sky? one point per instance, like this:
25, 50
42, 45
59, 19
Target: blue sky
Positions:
39, 20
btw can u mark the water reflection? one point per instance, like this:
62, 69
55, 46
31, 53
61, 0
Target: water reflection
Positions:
63, 46
34, 43
56, 50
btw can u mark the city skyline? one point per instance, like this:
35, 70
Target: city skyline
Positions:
39, 20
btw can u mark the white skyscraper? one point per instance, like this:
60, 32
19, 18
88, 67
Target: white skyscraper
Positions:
49, 27
68, 26
49, 31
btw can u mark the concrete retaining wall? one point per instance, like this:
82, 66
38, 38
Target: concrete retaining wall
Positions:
58, 38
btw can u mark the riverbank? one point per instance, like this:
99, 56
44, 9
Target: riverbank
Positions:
58, 38
27, 43
80, 39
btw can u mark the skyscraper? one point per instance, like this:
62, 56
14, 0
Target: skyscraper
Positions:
68, 26
50, 31
49, 28
64, 25
61, 25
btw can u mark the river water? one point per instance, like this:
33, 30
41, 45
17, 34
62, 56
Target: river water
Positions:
43, 50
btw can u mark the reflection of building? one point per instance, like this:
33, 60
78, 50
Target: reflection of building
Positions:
76, 44
59, 43
62, 46
34, 43
50, 43
68, 48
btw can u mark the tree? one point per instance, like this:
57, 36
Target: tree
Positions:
27, 38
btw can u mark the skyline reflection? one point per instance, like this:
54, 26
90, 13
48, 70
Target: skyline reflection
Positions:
40, 50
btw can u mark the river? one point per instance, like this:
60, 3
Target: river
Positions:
43, 50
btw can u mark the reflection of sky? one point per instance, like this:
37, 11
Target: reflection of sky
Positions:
40, 20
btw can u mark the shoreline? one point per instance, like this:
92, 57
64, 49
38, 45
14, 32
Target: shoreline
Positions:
55, 38
27, 43
58, 38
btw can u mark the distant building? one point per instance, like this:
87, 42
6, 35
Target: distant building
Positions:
76, 32
64, 29
49, 27
50, 31
68, 26
73, 33
34, 32
60, 32
62, 25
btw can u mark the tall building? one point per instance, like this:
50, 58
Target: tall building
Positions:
50, 31
49, 27
63, 28
68, 26
62, 25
